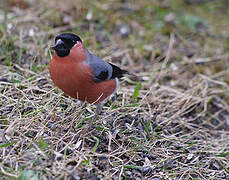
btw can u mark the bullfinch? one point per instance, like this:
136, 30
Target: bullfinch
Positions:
82, 75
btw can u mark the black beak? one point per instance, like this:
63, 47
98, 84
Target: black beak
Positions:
59, 45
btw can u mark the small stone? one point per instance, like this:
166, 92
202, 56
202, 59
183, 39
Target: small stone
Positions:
170, 18
67, 19
89, 15
124, 30
31, 32
145, 78
173, 66
9, 26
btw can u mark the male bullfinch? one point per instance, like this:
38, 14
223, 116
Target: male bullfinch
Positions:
82, 75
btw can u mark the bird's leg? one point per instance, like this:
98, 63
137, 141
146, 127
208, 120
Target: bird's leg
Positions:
98, 111
114, 97
98, 108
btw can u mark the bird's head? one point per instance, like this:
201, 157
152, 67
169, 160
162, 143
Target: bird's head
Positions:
64, 43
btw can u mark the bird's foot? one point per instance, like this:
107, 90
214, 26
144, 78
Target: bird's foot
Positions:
114, 97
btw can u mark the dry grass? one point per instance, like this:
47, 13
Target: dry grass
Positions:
177, 128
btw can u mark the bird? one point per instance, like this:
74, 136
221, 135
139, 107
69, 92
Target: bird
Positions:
82, 75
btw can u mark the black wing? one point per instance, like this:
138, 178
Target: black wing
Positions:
102, 70
102, 76
117, 72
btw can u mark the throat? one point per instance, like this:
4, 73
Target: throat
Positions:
62, 52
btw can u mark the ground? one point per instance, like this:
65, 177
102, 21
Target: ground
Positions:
169, 122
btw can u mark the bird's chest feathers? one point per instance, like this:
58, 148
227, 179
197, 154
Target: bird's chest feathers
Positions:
70, 75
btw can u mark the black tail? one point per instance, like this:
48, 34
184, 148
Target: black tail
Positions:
117, 72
